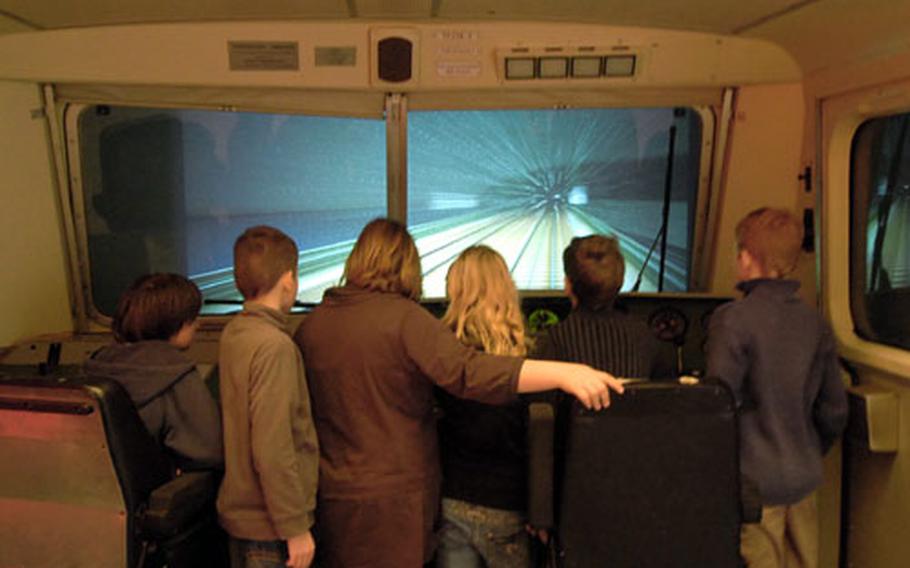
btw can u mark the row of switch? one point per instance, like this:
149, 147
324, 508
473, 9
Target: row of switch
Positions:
581, 67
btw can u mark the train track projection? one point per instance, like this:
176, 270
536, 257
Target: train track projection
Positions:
525, 183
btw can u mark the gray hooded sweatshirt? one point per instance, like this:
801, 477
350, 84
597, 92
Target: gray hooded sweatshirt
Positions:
171, 397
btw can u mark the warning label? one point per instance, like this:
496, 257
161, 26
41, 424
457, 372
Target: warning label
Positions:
264, 55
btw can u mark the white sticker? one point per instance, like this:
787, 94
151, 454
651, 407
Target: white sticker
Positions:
450, 50
263, 55
456, 35
459, 68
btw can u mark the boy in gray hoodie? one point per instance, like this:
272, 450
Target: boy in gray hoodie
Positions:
154, 324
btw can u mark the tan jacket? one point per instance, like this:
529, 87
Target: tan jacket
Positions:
271, 453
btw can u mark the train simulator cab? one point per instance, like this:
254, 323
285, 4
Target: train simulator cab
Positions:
145, 137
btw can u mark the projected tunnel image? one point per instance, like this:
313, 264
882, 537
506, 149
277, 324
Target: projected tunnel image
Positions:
524, 183
177, 187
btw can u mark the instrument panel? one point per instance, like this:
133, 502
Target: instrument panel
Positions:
680, 320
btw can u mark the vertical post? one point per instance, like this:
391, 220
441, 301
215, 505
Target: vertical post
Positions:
396, 118
665, 221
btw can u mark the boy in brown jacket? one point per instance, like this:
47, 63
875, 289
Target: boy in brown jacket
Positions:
267, 500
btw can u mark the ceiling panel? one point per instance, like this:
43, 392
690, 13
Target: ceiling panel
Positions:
9, 25
717, 16
394, 8
50, 14
839, 32
819, 33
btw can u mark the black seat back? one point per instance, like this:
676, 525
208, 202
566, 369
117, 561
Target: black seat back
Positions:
653, 481
76, 466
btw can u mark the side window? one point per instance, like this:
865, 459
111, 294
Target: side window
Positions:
170, 190
880, 230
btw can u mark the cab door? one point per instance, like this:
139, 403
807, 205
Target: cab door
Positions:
865, 282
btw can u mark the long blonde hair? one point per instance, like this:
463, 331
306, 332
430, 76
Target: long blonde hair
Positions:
484, 310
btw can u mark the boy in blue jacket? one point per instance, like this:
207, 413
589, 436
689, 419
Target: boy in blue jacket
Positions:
778, 355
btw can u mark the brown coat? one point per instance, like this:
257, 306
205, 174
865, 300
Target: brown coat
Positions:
372, 360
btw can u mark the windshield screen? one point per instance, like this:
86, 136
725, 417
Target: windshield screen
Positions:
169, 190
526, 182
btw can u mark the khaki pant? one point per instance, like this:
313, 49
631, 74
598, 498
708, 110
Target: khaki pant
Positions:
787, 537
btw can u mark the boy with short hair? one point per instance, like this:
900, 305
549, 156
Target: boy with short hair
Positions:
267, 500
779, 358
594, 333
154, 324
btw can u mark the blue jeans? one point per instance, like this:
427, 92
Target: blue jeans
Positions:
258, 553
472, 536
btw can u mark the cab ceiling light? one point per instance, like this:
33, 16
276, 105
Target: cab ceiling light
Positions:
554, 67
519, 68
586, 67
620, 66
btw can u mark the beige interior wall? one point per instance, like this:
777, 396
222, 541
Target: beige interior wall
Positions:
879, 483
764, 162
33, 280
9, 25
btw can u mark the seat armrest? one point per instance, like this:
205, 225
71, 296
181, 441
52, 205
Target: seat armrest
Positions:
750, 500
179, 503
541, 426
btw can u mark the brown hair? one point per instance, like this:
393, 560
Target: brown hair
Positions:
156, 306
595, 268
385, 259
773, 237
261, 256
484, 310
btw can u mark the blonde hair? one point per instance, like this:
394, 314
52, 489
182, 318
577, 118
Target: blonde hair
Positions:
773, 237
484, 310
385, 259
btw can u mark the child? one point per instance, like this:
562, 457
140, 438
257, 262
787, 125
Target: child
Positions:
778, 356
267, 500
373, 355
154, 323
594, 333
484, 460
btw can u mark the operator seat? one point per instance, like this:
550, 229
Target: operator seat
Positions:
652, 481
83, 483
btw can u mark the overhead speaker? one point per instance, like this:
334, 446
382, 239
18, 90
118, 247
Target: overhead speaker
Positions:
395, 59
395, 53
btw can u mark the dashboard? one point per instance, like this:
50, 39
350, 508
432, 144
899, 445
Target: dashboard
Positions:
680, 320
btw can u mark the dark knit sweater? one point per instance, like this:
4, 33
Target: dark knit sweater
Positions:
608, 341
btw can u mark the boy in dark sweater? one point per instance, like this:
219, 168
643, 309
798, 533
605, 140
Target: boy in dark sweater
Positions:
779, 358
594, 333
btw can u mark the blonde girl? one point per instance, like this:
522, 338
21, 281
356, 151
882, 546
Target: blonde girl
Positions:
483, 446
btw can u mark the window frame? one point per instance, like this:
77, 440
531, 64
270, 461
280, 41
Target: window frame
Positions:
89, 317
839, 118
860, 198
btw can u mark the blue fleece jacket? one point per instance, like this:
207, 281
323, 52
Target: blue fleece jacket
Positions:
778, 356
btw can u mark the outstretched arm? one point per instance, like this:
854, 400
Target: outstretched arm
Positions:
591, 387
